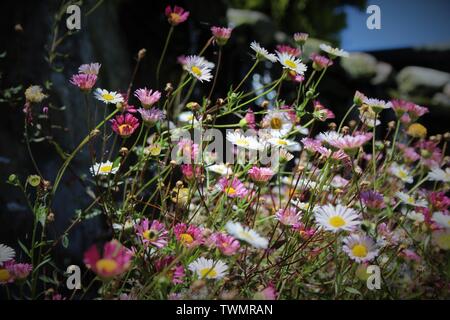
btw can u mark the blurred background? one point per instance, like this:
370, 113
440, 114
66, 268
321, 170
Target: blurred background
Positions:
409, 58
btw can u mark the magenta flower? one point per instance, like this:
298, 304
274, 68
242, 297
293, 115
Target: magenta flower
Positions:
439, 201
321, 113
152, 234
125, 125
431, 154
151, 116
112, 261
84, 81
188, 172
288, 217
283, 48
187, 150
320, 62
147, 97
232, 188
250, 119
412, 110
227, 244
260, 176
188, 235
268, 293
372, 199
20, 270
175, 272
176, 15
221, 35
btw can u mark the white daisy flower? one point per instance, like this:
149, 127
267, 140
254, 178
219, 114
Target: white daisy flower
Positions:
208, 268
103, 168
333, 52
401, 172
410, 200
336, 218
438, 174
107, 97
6, 253
441, 238
199, 68
261, 53
187, 117
246, 234
221, 169
413, 215
242, 141
328, 136
292, 63
285, 143
377, 105
441, 219
360, 248
278, 123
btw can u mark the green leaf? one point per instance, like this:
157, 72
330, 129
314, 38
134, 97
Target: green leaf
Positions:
65, 240
353, 291
24, 248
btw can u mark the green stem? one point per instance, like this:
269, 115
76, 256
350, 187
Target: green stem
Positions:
158, 69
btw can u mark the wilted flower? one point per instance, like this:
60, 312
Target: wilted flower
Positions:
34, 94
372, 200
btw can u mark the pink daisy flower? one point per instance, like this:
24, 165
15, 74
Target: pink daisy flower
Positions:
221, 35
84, 81
372, 199
188, 235
260, 176
350, 143
322, 113
20, 270
112, 261
176, 15
151, 116
176, 271
147, 97
152, 234
232, 188
320, 62
300, 38
125, 125
283, 48
250, 119
188, 171
228, 245
431, 154
188, 150
289, 217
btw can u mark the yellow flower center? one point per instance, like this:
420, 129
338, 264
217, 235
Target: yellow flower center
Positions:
242, 142
337, 221
106, 265
276, 123
282, 142
230, 191
149, 235
402, 174
4, 275
175, 17
197, 71
186, 238
108, 96
359, 251
124, 129
106, 168
291, 64
208, 272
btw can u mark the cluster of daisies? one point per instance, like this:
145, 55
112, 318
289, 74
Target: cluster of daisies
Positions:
187, 224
